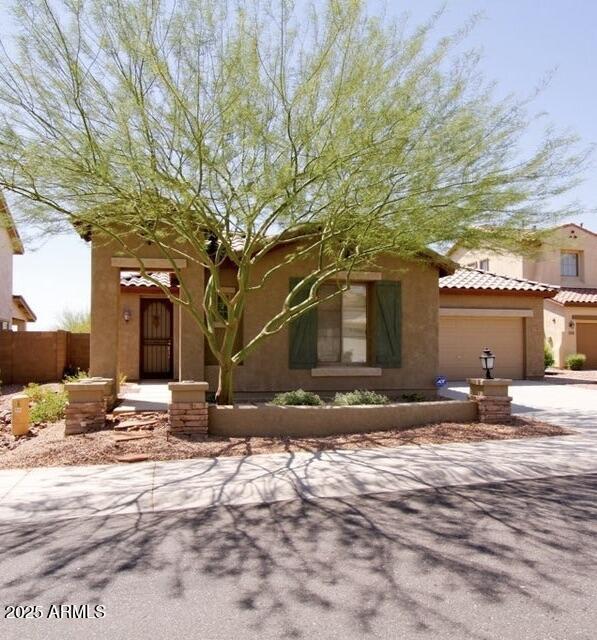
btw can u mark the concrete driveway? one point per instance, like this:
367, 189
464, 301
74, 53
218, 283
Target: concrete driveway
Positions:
567, 405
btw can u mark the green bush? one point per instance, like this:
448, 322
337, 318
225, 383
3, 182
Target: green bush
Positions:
74, 375
34, 391
576, 361
48, 405
415, 396
299, 397
548, 357
360, 396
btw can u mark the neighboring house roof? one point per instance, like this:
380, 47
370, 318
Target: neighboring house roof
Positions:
568, 225
24, 309
576, 297
7, 221
469, 280
580, 227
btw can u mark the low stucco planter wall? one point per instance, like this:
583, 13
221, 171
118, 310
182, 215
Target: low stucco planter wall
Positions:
270, 420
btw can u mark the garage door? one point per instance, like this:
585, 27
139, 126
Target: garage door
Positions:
586, 342
461, 340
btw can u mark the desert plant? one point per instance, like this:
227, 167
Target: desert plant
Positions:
414, 396
34, 391
576, 361
298, 397
48, 405
360, 396
73, 374
74, 321
548, 357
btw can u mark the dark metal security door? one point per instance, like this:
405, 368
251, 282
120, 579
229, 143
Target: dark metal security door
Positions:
156, 339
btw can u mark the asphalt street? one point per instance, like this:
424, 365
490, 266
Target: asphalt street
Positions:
512, 560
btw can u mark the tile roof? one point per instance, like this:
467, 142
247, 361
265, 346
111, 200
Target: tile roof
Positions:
131, 279
468, 280
578, 296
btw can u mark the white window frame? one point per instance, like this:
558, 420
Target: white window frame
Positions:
576, 263
334, 365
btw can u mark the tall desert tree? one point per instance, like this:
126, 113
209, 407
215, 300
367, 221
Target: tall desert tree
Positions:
75, 321
219, 130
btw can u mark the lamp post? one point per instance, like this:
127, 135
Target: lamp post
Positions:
487, 362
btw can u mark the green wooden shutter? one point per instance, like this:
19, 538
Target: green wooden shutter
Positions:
388, 324
302, 333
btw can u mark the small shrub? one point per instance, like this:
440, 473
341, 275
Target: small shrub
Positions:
414, 396
360, 396
576, 361
48, 406
548, 357
34, 391
72, 374
299, 397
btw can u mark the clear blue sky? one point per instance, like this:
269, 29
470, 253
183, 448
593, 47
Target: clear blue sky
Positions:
521, 40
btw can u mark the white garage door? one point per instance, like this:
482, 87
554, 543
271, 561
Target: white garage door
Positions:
461, 340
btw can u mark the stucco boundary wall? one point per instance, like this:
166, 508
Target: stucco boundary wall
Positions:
41, 356
271, 420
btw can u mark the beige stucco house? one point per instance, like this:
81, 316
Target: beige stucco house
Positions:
15, 313
568, 260
382, 335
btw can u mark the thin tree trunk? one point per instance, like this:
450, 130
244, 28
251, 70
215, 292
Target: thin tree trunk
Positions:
225, 392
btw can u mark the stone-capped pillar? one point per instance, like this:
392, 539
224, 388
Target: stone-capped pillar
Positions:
188, 408
491, 396
191, 356
105, 313
109, 390
86, 409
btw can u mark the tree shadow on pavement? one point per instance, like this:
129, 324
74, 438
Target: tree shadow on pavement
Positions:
360, 561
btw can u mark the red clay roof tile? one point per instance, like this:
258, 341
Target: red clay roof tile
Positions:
468, 280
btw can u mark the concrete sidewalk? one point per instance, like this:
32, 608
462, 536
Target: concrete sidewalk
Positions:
72, 492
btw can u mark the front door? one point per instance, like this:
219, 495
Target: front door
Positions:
156, 338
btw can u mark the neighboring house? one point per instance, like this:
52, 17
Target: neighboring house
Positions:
14, 311
480, 309
568, 260
21, 313
382, 334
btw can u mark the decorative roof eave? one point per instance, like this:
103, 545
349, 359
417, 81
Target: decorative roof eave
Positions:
471, 281
11, 228
20, 302
497, 292
577, 226
577, 297
124, 288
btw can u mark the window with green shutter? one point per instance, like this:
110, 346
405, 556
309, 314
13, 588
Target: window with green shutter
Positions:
338, 331
388, 324
302, 333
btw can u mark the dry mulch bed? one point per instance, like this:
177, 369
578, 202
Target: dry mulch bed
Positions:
48, 446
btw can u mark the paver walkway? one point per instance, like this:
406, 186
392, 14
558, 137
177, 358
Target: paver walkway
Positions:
70, 492
148, 395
